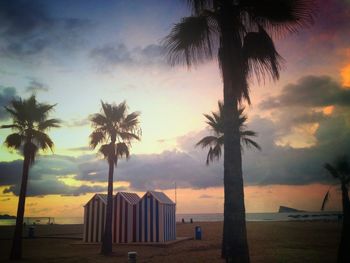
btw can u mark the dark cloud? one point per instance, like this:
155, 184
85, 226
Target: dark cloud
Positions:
28, 29
6, 95
35, 86
45, 176
51, 187
310, 91
112, 55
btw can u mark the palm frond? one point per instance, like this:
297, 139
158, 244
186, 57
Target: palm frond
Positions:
105, 149
207, 141
325, 200
198, 6
14, 140
98, 120
261, 55
42, 140
130, 121
122, 150
96, 137
119, 112
191, 40
214, 154
47, 124
332, 170
11, 126
249, 133
281, 16
249, 143
128, 136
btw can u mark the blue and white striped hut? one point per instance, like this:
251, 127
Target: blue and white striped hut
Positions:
94, 218
155, 218
124, 217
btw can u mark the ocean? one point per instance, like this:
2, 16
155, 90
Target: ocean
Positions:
212, 217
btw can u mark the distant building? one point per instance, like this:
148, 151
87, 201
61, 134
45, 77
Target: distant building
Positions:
149, 219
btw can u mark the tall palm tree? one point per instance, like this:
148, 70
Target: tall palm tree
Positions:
341, 171
114, 129
240, 32
216, 141
30, 123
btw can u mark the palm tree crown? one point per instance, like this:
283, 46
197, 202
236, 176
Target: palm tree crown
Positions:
30, 122
340, 170
114, 127
250, 23
215, 142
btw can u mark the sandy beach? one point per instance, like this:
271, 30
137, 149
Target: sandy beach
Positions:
268, 242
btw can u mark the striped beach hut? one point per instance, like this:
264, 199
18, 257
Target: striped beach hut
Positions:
155, 218
124, 217
94, 218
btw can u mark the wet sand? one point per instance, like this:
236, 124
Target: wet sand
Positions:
268, 242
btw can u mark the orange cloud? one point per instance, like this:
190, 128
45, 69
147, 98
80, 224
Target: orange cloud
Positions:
328, 110
345, 74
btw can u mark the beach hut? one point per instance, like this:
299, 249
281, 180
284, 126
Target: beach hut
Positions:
124, 217
94, 218
155, 218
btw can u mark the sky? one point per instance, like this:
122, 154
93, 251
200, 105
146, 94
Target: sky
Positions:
77, 53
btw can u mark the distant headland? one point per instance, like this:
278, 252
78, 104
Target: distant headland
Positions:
285, 209
6, 216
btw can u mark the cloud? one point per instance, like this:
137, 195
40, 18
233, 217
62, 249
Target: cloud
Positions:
111, 55
205, 196
6, 95
310, 91
77, 122
27, 29
276, 164
35, 86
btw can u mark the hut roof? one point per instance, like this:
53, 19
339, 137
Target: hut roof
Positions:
103, 198
131, 198
161, 197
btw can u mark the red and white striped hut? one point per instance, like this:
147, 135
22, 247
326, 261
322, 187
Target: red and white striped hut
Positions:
124, 217
155, 220
94, 218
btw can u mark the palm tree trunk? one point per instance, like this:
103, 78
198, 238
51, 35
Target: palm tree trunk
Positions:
343, 251
235, 245
106, 248
16, 250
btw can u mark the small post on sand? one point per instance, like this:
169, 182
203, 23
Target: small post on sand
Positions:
132, 257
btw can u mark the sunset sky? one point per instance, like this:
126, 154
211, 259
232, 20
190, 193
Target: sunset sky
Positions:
77, 53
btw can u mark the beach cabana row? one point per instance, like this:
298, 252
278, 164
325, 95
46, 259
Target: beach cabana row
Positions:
149, 219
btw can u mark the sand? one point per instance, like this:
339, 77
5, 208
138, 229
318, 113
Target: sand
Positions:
268, 242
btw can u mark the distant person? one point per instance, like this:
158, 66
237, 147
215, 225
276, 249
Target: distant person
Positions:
183, 221
191, 221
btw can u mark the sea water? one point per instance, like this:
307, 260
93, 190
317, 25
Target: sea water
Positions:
209, 217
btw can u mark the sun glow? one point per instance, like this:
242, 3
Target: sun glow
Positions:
345, 74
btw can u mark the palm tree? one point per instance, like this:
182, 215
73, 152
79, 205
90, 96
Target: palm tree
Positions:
240, 32
341, 171
216, 141
114, 129
29, 123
